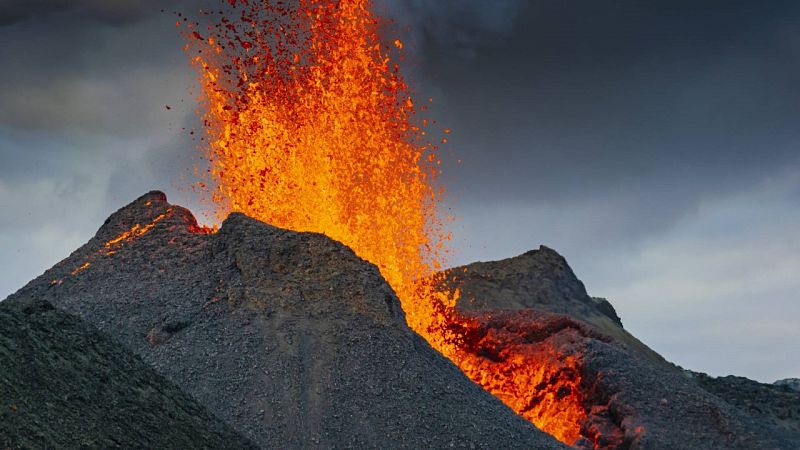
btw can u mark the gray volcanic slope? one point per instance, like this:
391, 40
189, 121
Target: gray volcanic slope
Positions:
288, 337
541, 280
63, 384
634, 398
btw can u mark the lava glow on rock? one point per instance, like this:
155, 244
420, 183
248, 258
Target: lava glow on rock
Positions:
311, 127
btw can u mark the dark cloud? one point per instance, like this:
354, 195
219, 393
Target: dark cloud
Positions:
610, 130
579, 98
458, 25
115, 12
68, 74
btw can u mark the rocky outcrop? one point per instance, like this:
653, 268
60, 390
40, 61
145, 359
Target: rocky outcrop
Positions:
541, 280
288, 337
63, 384
790, 383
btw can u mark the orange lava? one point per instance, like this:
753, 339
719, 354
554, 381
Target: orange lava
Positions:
311, 127
519, 360
137, 230
111, 246
80, 269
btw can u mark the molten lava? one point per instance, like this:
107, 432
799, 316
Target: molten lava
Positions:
311, 127
111, 246
137, 230
520, 359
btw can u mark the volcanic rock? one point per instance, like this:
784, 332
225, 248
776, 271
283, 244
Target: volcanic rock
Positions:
790, 383
288, 337
63, 384
777, 403
541, 280
634, 399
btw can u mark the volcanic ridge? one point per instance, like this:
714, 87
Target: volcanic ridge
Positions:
162, 333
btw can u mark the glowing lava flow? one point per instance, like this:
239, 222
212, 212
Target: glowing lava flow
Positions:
311, 127
113, 245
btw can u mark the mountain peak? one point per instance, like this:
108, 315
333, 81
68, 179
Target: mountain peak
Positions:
146, 212
539, 278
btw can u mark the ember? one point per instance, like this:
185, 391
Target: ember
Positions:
311, 127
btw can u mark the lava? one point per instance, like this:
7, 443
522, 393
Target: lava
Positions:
137, 230
80, 269
524, 362
311, 127
113, 245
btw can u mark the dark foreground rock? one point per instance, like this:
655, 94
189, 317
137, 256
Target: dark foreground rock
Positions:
63, 384
288, 337
633, 398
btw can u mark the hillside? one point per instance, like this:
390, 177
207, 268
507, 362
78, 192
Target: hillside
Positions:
63, 384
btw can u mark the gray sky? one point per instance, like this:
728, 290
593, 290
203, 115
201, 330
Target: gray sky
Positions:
654, 144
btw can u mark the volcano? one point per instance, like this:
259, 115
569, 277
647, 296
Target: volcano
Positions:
288, 337
292, 341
